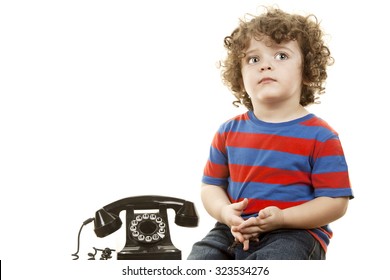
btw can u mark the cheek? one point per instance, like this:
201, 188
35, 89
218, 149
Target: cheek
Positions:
295, 73
247, 78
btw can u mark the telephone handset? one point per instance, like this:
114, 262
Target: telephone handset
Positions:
147, 234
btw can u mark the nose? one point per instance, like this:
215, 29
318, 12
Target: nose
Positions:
265, 67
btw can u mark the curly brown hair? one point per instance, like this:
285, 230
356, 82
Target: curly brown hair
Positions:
280, 27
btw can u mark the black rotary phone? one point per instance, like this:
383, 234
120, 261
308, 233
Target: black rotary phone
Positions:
147, 234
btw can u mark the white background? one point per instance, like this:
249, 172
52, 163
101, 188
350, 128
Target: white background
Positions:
102, 100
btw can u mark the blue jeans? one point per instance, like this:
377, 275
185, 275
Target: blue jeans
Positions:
283, 244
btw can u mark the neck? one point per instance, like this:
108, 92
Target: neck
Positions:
269, 113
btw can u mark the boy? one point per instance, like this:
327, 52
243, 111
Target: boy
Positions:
276, 175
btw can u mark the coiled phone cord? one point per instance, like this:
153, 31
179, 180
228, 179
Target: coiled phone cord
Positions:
106, 252
86, 222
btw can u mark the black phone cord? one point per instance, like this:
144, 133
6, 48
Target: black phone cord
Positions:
86, 222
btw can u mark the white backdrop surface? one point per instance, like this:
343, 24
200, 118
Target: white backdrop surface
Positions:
102, 100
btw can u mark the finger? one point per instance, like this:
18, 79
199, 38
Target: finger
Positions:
245, 202
262, 214
248, 223
241, 205
252, 237
238, 236
250, 230
245, 245
234, 229
265, 213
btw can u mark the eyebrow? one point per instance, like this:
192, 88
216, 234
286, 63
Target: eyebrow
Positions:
273, 46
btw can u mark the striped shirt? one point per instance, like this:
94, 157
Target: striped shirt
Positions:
278, 164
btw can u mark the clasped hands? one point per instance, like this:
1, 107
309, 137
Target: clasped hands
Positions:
269, 218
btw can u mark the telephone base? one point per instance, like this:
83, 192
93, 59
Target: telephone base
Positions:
164, 253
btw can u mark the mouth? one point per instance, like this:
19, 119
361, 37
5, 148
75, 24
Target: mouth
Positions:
266, 80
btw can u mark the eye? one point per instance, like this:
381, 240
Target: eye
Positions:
281, 56
253, 59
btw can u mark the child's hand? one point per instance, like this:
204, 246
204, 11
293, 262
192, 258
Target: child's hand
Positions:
231, 216
269, 218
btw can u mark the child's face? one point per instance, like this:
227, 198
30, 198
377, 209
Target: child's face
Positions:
272, 73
